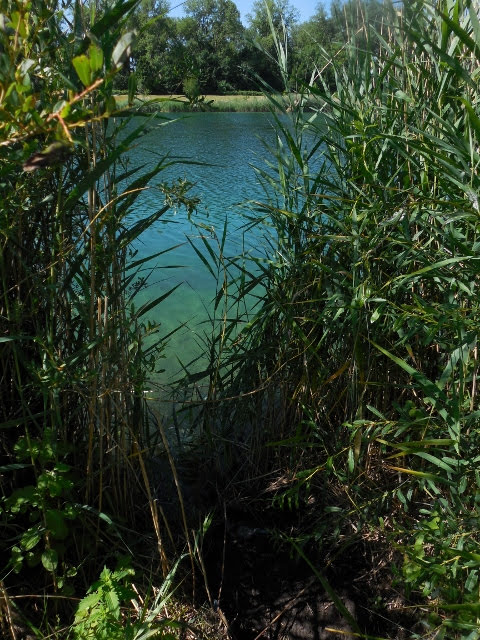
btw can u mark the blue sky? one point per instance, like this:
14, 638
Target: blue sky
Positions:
305, 7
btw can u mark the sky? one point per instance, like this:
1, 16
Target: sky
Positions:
305, 7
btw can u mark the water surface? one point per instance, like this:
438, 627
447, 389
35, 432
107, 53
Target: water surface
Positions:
215, 151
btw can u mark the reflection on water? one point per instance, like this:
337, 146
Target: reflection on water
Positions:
217, 150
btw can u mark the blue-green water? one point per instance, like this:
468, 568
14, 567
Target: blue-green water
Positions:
226, 145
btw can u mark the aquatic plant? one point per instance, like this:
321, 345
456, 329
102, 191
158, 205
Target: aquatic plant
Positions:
358, 363
75, 349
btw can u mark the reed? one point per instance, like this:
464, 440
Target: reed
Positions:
360, 356
345, 358
74, 365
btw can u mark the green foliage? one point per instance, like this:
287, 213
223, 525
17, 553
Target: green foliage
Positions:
75, 352
157, 53
192, 89
207, 43
215, 41
211, 43
103, 614
351, 345
31, 103
98, 614
365, 324
49, 506
268, 22
281, 12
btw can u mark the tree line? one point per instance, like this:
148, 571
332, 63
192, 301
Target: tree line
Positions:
212, 48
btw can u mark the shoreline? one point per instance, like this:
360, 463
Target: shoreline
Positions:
176, 103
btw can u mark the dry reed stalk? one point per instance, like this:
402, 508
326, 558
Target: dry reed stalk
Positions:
7, 609
164, 564
171, 461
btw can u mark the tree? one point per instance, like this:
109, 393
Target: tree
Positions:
283, 17
314, 45
350, 19
320, 44
281, 12
158, 53
215, 40
207, 44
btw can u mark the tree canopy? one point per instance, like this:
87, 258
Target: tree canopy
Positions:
210, 43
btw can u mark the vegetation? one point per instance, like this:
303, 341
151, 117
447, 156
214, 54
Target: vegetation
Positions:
212, 45
352, 383
363, 351
257, 102
73, 364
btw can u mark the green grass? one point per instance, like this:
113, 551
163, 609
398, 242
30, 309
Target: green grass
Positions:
216, 103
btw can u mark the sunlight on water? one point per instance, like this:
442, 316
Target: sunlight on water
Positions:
225, 145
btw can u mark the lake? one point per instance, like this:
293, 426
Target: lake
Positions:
226, 145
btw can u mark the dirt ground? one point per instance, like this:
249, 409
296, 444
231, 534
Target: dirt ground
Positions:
264, 592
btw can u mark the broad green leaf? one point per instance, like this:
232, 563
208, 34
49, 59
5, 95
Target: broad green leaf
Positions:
82, 67
471, 45
474, 119
113, 603
467, 606
113, 17
13, 467
434, 460
88, 603
432, 267
472, 580
416, 444
351, 460
21, 499
419, 474
30, 538
95, 55
62, 467
122, 48
56, 524
50, 559
401, 95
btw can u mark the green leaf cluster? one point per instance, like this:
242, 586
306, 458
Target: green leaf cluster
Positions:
49, 506
103, 613
362, 347
98, 614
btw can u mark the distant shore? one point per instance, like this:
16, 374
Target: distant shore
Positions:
178, 103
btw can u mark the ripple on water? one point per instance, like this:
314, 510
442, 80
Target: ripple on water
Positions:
222, 148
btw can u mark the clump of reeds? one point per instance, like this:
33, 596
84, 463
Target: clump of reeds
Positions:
241, 104
74, 368
363, 344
